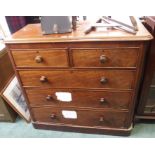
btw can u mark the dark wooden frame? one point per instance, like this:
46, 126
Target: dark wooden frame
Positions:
149, 71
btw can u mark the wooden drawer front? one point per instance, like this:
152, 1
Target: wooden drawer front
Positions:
84, 117
41, 58
79, 98
119, 57
79, 79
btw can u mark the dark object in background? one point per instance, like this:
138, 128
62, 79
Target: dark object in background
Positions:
32, 19
56, 24
7, 114
146, 105
74, 21
17, 22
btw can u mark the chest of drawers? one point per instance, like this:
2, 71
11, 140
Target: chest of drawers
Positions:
100, 73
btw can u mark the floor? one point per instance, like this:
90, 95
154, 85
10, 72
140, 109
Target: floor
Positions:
21, 129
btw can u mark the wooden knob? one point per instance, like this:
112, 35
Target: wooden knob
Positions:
49, 98
101, 119
43, 79
38, 59
104, 80
53, 116
103, 58
102, 100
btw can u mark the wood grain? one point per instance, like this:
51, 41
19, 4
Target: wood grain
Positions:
84, 117
32, 33
81, 73
121, 79
6, 69
84, 129
80, 98
84, 44
50, 58
115, 57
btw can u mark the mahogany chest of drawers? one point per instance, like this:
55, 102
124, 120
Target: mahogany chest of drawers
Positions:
99, 72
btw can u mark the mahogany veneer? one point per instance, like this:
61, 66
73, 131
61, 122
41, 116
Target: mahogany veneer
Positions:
101, 70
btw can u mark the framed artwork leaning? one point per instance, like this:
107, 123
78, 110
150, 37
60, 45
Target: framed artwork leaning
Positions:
13, 95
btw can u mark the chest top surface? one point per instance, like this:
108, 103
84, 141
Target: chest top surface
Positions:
32, 33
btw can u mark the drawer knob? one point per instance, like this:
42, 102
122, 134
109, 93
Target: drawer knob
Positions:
102, 100
104, 80
101, 119
53, 116
103, 58
39, 59
43, 79
49, 98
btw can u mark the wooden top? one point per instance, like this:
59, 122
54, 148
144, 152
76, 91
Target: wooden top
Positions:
32, 33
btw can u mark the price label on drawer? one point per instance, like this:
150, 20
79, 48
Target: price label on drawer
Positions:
69, 114
64, 96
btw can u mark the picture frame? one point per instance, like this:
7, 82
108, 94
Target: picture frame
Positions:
13, 95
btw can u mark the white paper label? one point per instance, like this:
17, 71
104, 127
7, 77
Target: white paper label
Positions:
64, 96
69, 114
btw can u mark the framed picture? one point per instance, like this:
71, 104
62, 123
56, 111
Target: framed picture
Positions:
13, 95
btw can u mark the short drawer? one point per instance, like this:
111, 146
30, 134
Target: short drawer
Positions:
80, 117
114, 57
41, 58
122, 79
79, 98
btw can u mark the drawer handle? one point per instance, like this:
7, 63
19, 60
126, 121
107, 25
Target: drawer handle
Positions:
39, 59
103, 58
101, 119
104, 80
49, 98
102, 100
43, 79
53, 116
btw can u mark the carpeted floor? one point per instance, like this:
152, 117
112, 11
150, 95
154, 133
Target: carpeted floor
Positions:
22, 129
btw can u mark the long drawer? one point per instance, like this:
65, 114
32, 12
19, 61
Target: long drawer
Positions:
41, 58
112, 57
79, 98
120, 79
80, 117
